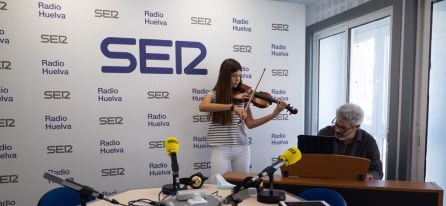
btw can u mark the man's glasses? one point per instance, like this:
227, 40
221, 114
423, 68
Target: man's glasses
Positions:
340, 127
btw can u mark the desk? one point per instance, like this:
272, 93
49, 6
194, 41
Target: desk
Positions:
152, 193
361, 193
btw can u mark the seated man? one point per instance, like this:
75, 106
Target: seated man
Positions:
351, 140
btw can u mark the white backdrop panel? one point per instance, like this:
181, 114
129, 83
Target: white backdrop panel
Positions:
54, 116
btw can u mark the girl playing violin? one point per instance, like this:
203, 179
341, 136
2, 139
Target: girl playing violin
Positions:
228, 121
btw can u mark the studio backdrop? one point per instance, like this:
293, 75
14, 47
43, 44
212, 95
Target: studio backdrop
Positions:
89, 89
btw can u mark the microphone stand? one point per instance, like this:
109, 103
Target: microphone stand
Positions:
237, 189
236, 202
175, 172
267, 195
241, 192
270, 195
237, 197
171, 189
84, 191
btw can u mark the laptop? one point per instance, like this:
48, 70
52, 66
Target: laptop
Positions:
314, 144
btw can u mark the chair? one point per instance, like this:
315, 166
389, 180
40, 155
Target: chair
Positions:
61, 196
328, 195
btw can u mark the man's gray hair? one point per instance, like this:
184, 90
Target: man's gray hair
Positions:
350, 112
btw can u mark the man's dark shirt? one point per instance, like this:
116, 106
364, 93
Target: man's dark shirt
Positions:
363, 145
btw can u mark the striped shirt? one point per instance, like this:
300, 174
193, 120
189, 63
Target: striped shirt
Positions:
231, 134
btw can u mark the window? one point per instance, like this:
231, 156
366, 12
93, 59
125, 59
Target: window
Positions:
332, 77
435, 164
351, 63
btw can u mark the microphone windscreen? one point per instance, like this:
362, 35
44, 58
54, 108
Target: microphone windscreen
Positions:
172, 145
291, 156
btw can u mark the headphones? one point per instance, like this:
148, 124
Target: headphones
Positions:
195, 181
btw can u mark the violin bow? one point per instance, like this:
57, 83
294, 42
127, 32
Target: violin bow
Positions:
252, 95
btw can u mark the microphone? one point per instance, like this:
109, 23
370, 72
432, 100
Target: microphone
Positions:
84, 191
289, 157
172, 147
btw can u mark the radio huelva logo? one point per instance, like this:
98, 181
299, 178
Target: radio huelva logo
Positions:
148, 60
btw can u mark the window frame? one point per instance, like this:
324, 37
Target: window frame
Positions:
401, 102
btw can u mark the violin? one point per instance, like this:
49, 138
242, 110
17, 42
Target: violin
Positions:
260, 99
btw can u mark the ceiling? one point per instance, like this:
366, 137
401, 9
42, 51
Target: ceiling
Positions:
306, 2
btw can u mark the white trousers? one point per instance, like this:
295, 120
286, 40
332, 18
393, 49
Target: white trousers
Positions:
227, 158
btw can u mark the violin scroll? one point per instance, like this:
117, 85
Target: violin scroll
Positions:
268, 97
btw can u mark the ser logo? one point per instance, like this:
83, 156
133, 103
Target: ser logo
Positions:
144, 57
242, 48
202, 165
6, 65
56, 95
281, 117
7, 123
156, 144
200, 20
279, 72
58, 149
112, 172
157, 95
280, 27
104, 13
3, 6
54, 39
200, 118
111, 120
5, 179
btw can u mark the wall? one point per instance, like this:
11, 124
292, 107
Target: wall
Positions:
90, 89
324, 9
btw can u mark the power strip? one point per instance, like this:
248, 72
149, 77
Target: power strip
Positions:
189, 194
211, 200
